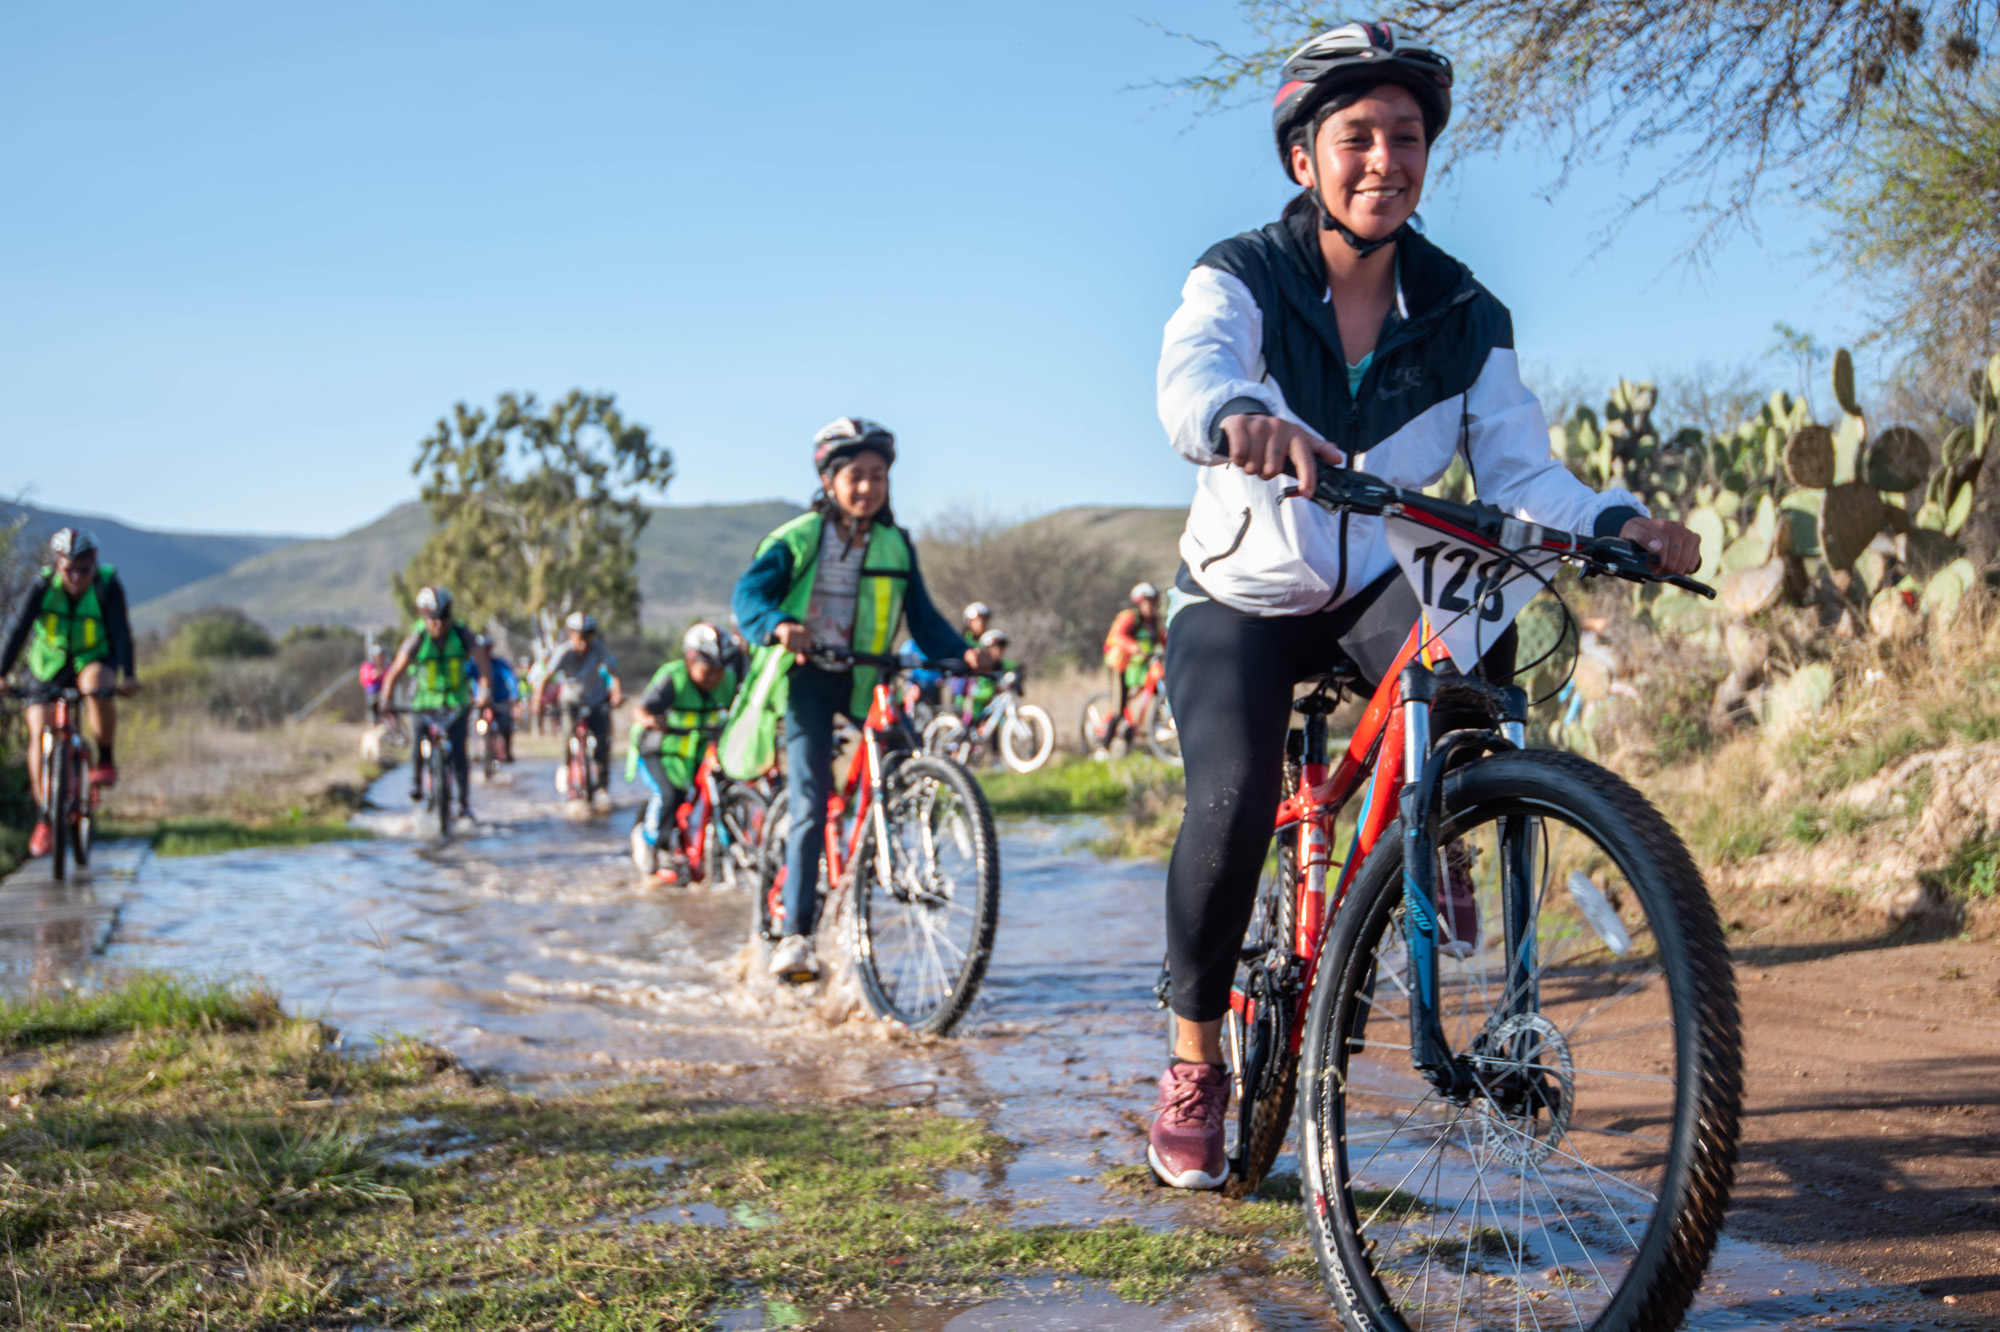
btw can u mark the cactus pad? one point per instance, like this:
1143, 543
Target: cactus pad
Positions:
1898, 460
1843, 383
1849, 517
1809, 457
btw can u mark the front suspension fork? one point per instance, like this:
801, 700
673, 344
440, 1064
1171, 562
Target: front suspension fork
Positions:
1420, 807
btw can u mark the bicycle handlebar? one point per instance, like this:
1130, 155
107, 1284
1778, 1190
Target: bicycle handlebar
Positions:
889, 661
1344, 488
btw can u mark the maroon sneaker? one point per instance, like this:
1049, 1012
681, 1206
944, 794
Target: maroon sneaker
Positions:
1185, 1147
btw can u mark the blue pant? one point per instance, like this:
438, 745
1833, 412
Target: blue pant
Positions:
666, 798
816, 698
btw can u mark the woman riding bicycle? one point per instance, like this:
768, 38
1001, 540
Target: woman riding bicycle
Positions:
841, 575
1336, 333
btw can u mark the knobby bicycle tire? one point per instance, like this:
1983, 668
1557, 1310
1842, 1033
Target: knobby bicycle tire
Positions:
1098, 710
1386, 1246
55, 789
734, 851
79, 826
441, 784
903, 930
1265, 1113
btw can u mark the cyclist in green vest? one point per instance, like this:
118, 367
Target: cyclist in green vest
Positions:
72, 621
681, 711
841, 575
992, 656
448, 671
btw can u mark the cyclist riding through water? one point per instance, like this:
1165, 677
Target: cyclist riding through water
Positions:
71, 619
681, 711
1336, 334
503, 690
447, 665
842, 575
585, 674
1134, 639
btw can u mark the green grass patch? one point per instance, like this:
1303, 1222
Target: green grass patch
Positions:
150, 1001
1973, 873
1076, 786
242, 1174
208, 836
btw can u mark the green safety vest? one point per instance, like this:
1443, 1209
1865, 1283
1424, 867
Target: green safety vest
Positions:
691, 720
69, 633
441, 672
748, 746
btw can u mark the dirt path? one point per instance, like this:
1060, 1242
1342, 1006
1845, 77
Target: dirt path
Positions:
1872, 1114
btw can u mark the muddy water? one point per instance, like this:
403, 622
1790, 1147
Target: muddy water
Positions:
530, 947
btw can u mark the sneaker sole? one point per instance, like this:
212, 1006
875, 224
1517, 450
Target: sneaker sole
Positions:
1186, 1179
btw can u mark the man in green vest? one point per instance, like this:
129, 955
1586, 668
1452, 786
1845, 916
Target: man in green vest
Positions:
681, 711
72, 621
841, 575
448, 668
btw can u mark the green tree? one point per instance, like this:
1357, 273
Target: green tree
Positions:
536, 511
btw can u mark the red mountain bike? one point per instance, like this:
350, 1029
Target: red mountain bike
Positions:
721, 825
1146, 713
1508, 1020
917, 872
69, 800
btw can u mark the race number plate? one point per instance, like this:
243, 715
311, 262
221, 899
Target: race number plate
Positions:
1469, 594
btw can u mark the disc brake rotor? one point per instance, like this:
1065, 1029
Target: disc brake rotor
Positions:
1526, 1069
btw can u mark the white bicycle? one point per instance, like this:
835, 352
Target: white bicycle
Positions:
1021, 732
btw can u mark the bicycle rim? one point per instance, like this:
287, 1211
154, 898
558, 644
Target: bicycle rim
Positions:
1027, 738
923, 936
1097, 713
1583, 1183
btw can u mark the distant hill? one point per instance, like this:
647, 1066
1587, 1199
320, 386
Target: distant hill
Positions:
1153, 534
150, 563
334, 580
689, 559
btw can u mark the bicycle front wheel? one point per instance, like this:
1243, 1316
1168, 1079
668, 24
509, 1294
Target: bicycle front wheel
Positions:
441, 783
733, 839
923, 933
1027, 738
80, 796
1584, 987
56, 800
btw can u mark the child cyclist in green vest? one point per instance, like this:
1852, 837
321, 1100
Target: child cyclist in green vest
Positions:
447, 666
841, 575
681, 711
72, 622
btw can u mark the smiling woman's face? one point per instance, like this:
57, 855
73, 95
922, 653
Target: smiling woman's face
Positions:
1370, 160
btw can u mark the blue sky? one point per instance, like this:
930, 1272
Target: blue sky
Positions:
248, 254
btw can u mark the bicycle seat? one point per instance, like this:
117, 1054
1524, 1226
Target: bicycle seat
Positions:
1326, 689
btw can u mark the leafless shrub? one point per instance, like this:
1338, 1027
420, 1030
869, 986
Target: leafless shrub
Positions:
1053, 591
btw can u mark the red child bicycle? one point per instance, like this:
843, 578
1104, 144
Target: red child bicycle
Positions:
1507, 1018
911, 872
1146, 713
69, 799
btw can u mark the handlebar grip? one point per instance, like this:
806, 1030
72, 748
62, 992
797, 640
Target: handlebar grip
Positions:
1687, 584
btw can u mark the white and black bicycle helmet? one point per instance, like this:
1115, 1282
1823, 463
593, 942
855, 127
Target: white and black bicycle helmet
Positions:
580, 623
70, 542
978, 610
703, 641
837, 441
1352, 58
1144, 592
433, 603
994, 638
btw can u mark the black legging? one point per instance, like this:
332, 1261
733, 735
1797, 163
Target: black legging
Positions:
1230, 678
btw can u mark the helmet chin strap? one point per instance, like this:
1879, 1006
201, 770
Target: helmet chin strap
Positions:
1362, 247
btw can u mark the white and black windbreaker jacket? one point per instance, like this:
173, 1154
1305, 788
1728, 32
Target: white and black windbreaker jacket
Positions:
1255, 332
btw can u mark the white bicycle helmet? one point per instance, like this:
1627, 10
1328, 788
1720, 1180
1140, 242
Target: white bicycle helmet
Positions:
703, 641
1144, 592
978, 610
994, 638
580, 623
70, 542
433, 603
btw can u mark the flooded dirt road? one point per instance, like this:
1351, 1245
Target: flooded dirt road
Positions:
531, 948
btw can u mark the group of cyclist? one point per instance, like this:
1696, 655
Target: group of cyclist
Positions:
1336, 333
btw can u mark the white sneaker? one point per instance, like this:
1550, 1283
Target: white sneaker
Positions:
793, 960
